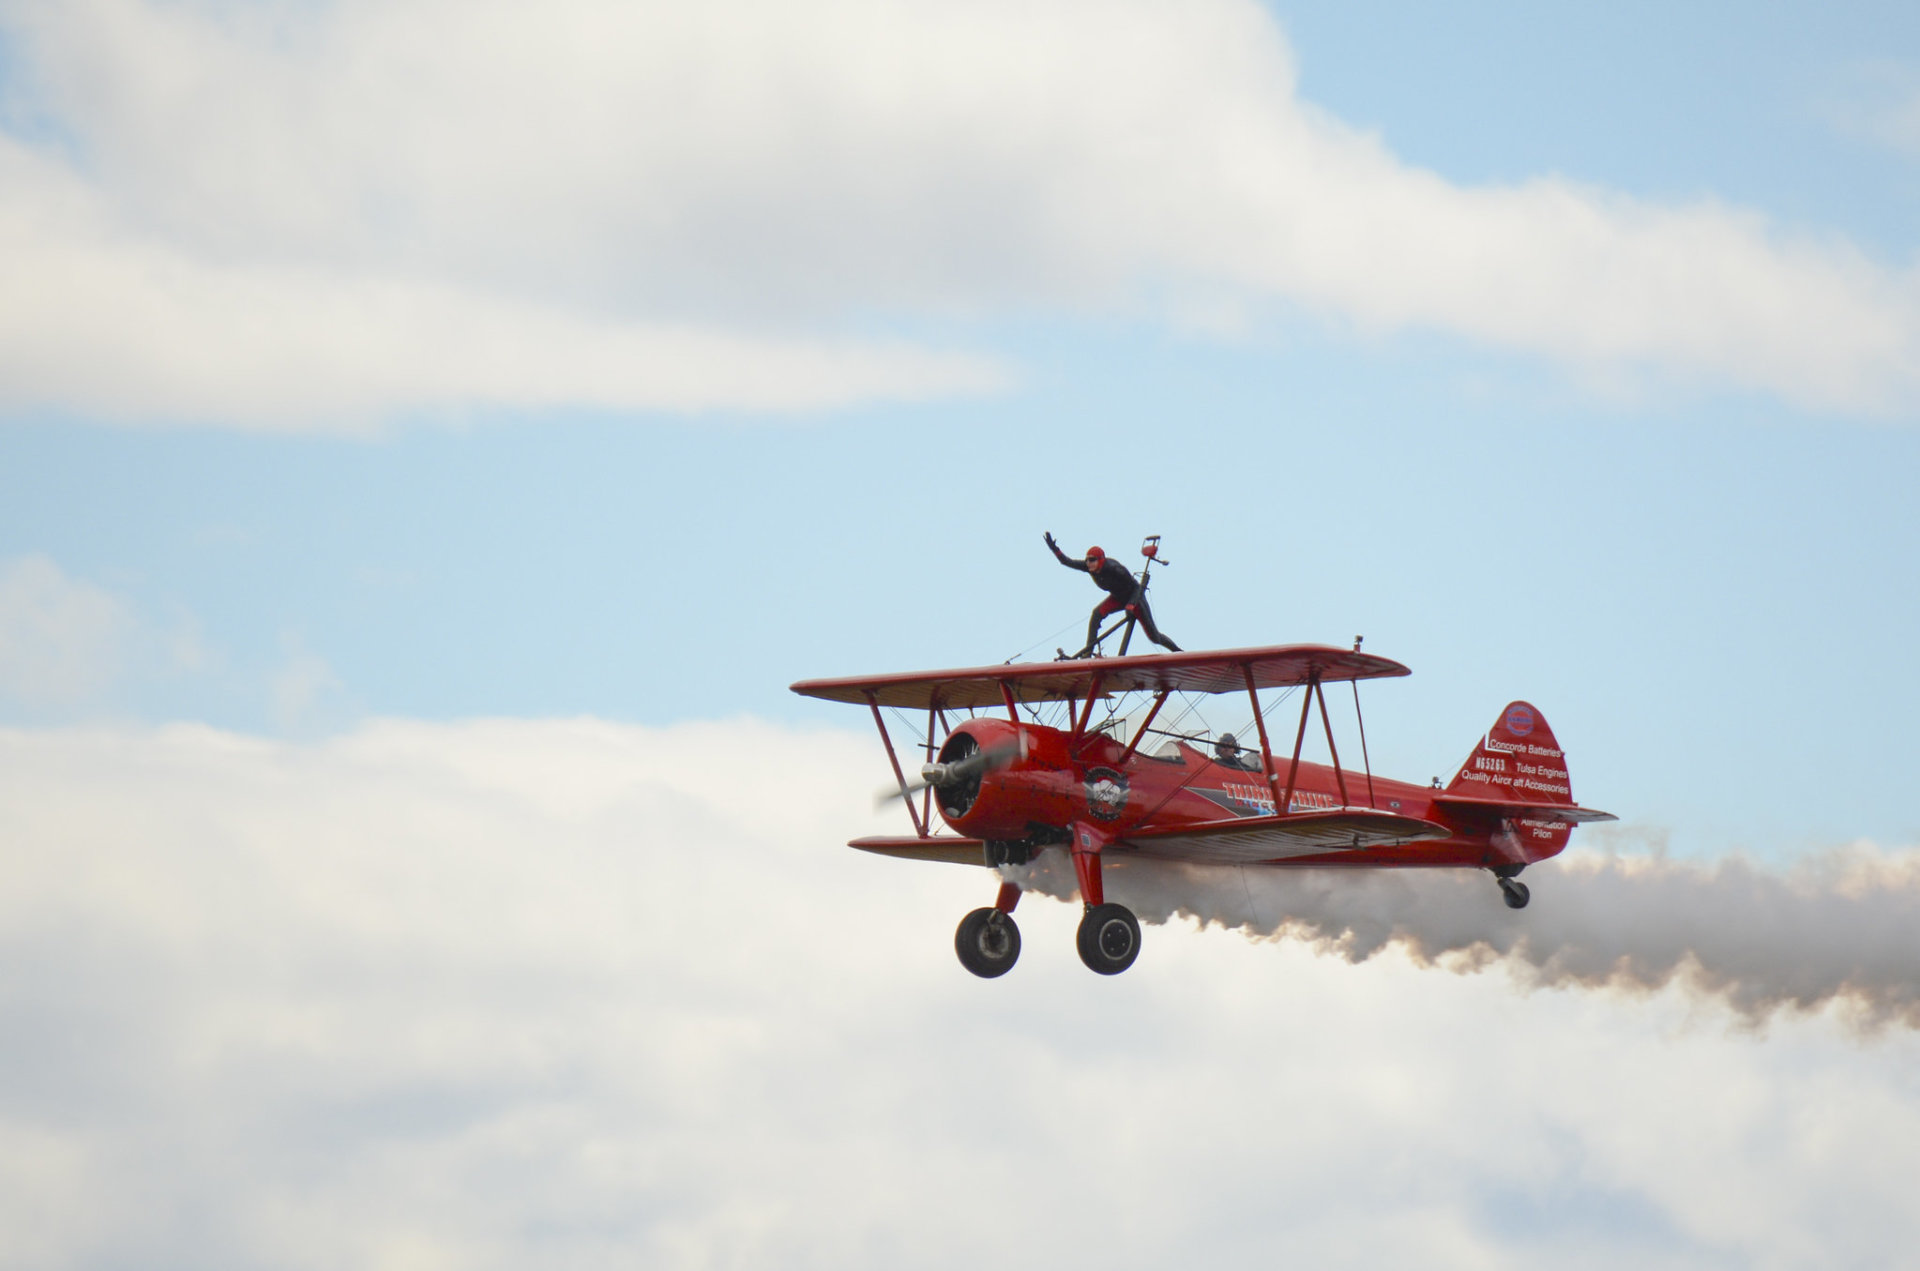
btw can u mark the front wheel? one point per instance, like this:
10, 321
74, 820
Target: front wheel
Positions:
1515, 893
1109, 939
988, 943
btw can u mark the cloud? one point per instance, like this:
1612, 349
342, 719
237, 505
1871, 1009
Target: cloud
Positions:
137, 329
63, 642
292, 215
1878, 101
70, 648
566, 992
301, 686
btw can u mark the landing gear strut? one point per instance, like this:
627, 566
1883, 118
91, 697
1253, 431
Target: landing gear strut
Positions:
1109, 938
988, 943
1514, 892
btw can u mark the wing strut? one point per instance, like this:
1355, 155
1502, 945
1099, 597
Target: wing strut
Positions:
1160, 699
1338, 776
1372, 801
1315, 693
1266, 751
1086, 716
1299, 739
919, 826
926, 795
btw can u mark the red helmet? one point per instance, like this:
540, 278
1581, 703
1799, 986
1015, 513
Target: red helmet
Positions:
1096, 555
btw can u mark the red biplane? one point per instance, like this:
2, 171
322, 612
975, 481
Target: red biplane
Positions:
1010, 786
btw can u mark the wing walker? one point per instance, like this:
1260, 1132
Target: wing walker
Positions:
1094, 756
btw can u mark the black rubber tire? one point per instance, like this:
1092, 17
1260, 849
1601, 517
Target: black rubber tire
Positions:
1109, 939
988, 943
1515, 893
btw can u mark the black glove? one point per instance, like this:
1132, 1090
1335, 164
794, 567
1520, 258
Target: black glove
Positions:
1050, 543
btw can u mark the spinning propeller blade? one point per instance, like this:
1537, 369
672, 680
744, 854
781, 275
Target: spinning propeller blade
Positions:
960, 771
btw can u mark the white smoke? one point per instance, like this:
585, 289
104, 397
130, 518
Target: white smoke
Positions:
1842, 926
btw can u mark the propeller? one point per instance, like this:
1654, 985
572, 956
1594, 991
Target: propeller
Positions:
960, 771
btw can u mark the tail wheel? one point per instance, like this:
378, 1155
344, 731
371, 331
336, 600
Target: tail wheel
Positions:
1515, 893
1109, 939
988, 943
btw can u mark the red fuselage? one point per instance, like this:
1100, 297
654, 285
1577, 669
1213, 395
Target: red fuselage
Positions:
1056, 782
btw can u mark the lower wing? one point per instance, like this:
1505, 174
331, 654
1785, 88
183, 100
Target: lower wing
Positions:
1245, 841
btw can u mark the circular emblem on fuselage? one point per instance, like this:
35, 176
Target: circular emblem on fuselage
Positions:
1519, 721
1106, 793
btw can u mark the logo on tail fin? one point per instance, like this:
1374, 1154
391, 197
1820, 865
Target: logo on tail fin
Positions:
1519, 721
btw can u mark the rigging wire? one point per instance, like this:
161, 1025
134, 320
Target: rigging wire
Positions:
1042, 712
916, 732
1372, 800
1042, 640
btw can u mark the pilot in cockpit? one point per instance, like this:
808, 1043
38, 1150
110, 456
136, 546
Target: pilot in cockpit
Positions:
1227, 752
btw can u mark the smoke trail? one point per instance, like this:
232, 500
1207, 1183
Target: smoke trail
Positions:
1842, 925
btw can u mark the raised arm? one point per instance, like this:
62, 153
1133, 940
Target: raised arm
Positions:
1063, 558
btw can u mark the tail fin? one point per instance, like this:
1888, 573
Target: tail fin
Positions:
1514, 786
1518, 762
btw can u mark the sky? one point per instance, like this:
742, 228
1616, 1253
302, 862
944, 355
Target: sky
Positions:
433, 436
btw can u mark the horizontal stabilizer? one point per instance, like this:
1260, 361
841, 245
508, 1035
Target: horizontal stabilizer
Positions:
1247, 840
941, 847
1506, 810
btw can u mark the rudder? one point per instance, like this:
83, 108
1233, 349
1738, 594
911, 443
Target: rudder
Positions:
1516, 780
1517, 761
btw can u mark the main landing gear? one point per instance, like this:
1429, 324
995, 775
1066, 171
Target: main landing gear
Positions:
988, 943
1109, 937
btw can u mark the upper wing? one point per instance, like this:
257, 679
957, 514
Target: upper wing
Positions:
1244, 841
1220, 671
